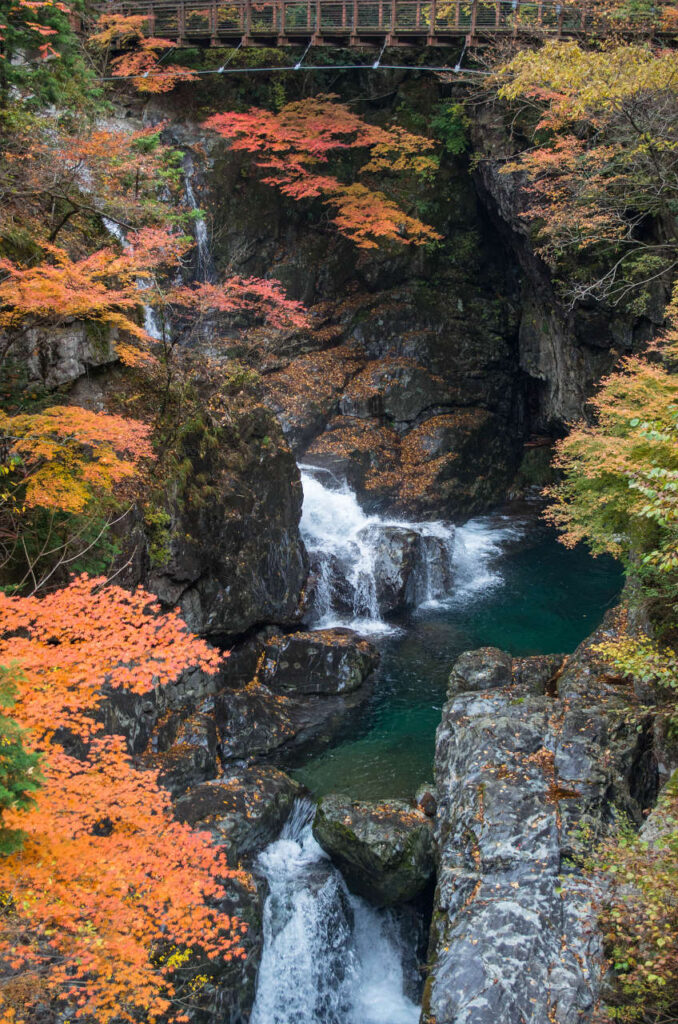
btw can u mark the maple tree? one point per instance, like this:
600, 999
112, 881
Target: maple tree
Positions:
39, 52
620, 473
602, 167
105, 880
296, 144
141, 59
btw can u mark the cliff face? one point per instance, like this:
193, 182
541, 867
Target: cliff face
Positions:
534, 764
426, 370
564, 349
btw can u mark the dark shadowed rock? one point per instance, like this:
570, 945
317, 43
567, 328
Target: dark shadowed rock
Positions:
184, 753
254, 722
483, 669
384, 851
244, 811
538, 673
232, 557
329, 661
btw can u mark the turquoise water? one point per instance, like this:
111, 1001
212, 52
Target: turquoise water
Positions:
530, 595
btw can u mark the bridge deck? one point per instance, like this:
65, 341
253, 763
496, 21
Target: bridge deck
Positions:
354, 22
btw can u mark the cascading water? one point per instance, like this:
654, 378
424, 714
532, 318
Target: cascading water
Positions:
328, 957
151, 323
204, 270
367, 566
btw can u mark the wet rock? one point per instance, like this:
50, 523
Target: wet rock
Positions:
395, 566
329, 661
483, 669
537, 674
384, 851
527, 785
244, 811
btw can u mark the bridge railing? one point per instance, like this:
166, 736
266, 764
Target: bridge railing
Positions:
388, 19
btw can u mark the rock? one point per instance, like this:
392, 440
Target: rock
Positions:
527, 785
427, 800
384, 851
535, 674
56, 356
244, 811
136, 716
254, 721
484, 669
231, 556
329, 661
190, 757
395, 566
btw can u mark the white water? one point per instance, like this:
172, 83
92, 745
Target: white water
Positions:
204, 268
152, 325
328, 957
359, 560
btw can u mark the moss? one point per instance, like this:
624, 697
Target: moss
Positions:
158, 522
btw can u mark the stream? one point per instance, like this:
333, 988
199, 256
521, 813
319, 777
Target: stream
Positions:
505, 581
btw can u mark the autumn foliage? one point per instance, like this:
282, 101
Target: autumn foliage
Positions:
294, 147
140, 60
601, 165
106, 884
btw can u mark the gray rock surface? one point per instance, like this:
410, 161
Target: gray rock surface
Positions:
384, 851
526, 784
482, 669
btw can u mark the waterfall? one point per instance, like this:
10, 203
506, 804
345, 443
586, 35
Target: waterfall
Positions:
328, 957
367, 567
152, 325
204, 267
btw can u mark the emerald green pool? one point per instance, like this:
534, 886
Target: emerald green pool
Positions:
518, 589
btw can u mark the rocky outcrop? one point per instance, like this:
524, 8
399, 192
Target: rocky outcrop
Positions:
53, 357
286, 691
384, 851
527, 781
254, 722
329, 661
244, 811
483, 669
231, 556
564, 350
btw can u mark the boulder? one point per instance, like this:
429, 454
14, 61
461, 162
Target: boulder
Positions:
483, 669
254, 721
244, 811
395, 566
384, 851
329, 661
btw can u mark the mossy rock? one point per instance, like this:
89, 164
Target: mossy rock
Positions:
384, 850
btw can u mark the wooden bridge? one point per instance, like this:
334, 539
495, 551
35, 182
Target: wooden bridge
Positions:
360, 22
